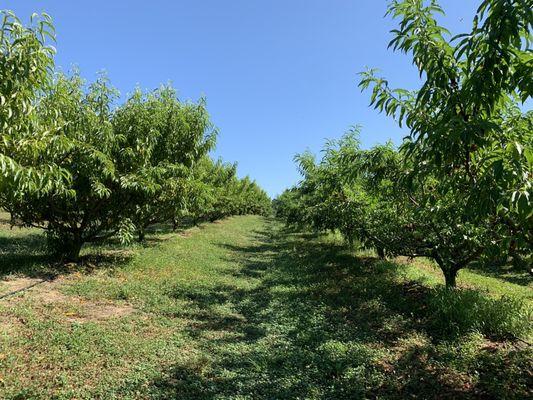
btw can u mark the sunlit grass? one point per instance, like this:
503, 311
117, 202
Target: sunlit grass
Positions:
245, 309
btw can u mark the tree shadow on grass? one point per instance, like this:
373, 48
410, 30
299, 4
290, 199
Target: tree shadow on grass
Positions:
319, 322
167, 228
24, 252
512, 274
27, 255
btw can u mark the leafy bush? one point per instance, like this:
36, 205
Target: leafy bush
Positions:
462, 311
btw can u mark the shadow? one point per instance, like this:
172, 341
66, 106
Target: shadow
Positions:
25, 254
167, 227
318, 322
23, 251
518, 275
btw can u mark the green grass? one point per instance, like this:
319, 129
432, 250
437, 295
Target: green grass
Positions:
244, 309
510, 282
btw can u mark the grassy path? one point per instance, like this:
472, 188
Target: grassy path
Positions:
242, 309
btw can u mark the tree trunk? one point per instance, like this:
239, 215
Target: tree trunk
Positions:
450, 277
141, 234
71, 251
381, 253
448, 269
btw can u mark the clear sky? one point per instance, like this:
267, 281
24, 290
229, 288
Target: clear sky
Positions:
279, 76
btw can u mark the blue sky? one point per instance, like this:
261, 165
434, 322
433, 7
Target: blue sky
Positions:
280, 76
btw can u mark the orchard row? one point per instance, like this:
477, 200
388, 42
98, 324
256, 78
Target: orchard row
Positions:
458, 190
84, 168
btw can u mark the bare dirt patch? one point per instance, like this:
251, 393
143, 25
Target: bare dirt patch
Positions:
8, 324
99, 312
185, 234
18, 284
47, 293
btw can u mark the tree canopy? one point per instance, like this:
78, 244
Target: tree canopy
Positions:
82, 167
458, 189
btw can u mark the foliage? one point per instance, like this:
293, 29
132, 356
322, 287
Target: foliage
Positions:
458, 189
215, 192
118, 165
466, 127
364, 195
163, 139
83, 168
25, 72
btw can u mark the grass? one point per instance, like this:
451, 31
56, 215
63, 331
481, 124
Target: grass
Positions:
510, 282
244, 309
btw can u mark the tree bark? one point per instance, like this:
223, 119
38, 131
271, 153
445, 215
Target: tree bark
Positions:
72, 249
450, 277
449, 271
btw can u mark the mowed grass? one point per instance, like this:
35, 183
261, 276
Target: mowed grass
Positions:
245, 309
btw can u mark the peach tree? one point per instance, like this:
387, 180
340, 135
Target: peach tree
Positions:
467, 130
